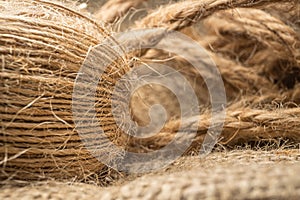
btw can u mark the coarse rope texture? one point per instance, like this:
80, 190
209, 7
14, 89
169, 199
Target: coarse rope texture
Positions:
182, 14
256, 49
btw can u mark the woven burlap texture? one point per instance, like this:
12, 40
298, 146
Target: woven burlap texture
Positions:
239, 174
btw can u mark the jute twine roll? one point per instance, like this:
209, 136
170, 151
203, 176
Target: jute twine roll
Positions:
43, 45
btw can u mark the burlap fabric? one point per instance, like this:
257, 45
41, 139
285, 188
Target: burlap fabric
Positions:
239, 174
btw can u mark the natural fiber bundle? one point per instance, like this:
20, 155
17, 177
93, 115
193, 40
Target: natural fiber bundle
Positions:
253, 37
241, 38
43, 45
250, 37
289, 12
259, 27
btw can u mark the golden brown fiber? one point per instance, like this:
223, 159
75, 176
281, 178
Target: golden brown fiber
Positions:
43, 45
